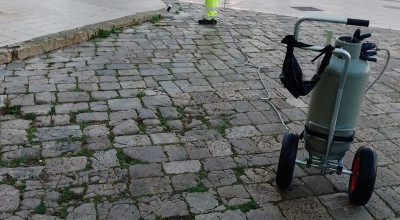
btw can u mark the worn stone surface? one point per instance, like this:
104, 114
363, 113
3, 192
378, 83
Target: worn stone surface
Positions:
12, 136
21, 153
145, 170
219, 163
59, 132
300, 208
12, 201
177, 167
164, 138
185, 181
378, 208
148, 186
126, 127
73, 97
163, 206
65, 165
332, 202
124, 212
175, 153
95, 131
36, 109
242, 132
131, 141
391, 197
105, 189
201, 202
55, 149
230, 214
92, 117
147, 154
15, 124
156, 121
257, 175
25, 173
103, 160
44, 217
219, 178
85, 211
219, 148
324, 186
267, 212
263, 193
124, 104
234, 195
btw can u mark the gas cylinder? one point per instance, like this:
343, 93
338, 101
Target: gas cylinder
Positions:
323, 96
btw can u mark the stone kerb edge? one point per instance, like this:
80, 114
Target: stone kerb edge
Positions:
44, 44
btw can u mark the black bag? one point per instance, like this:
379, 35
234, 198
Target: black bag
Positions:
292, 75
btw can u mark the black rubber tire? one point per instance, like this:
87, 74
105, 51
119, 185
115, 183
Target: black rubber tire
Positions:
287, 160
362, 185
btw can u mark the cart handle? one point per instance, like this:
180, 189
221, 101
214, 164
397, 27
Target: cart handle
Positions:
341, 20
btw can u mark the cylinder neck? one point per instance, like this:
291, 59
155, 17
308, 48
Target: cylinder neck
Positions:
354, 49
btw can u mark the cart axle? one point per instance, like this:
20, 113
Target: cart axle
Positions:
330, 167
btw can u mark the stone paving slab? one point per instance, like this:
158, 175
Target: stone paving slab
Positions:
157, 122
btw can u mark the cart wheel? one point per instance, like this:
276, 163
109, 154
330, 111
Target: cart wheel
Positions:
287, 159
362, 181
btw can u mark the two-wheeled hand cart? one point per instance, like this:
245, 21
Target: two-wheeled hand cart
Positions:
332, 118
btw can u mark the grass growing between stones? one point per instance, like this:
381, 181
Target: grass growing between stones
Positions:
102, 33
181, 112
30, 134
67, 195
21, 161
88, 166
204, 121
163, 121
97, 199
50, 64
140, 94
62, 213
9, 180
245, 207
53, 109
83, 124
21, 186
142, 127
126, 160
85, 152
72, 116
202, 174
223, 125
156, 18
41, 208
111, 137
77, 89
238, 173
199, 188
13, 110
30, 116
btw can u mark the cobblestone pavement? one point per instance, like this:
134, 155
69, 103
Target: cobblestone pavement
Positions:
157, 122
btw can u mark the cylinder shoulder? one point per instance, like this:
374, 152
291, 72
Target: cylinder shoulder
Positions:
356, 69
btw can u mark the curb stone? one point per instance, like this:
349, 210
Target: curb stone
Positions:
44, 44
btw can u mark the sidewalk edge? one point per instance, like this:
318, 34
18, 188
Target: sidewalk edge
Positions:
44, 44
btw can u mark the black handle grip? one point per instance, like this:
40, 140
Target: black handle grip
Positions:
357, 22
